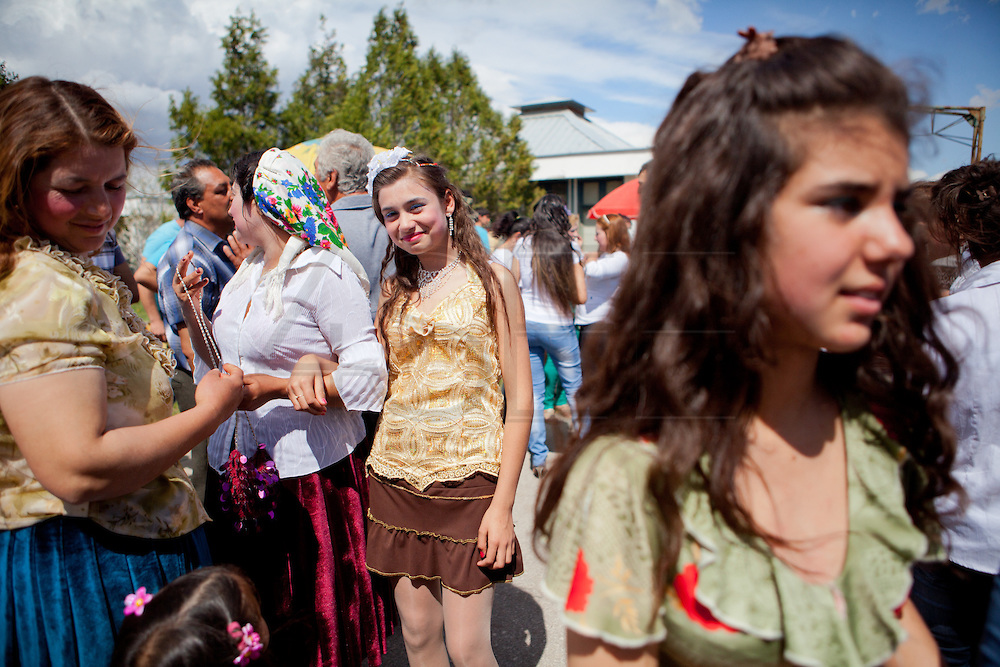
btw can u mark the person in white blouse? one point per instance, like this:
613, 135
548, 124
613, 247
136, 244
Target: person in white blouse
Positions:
297, 317
602, 271
552, 285
953, 596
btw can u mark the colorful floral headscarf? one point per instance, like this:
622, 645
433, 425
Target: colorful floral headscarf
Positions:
289, 195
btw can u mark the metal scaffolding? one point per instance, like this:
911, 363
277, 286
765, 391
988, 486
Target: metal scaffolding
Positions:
974, 116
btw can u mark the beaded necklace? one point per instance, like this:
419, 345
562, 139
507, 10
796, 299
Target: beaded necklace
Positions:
429, 282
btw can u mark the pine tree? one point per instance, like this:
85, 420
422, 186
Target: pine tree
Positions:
245, 93
386, 101
429, 104
436, 107
318, 93
6, 76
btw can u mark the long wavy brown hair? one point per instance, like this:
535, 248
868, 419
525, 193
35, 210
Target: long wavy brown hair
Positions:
689, 330
552, 255
40, 119
466, 239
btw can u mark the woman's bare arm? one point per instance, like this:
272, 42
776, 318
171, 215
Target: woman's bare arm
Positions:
77, 459
919, 649
496, 531
580, 280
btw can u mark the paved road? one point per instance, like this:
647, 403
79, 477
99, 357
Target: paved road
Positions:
526, 627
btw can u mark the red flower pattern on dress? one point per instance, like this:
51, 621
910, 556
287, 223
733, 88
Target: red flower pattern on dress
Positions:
685, 584
581, 587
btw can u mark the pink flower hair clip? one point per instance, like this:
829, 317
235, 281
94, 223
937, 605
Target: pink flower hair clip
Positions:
135, 603
249, 644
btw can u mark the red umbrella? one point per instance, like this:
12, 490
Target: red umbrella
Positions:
624, 200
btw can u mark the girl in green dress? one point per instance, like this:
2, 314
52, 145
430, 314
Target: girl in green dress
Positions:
767, 426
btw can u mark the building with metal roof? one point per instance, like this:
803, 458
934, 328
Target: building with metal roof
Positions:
574, 157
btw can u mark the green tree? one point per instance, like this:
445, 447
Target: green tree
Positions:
437, 107
245, 93
492, 161
318, 93
430, 104
386, 100
6, 76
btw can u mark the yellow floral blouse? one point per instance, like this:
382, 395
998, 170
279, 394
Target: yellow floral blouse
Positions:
60, 313
442, 418
730, 600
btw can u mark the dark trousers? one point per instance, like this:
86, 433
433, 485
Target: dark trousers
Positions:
953, 601
989, 648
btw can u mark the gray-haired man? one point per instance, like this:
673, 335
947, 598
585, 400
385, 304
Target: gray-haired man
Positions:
342, 170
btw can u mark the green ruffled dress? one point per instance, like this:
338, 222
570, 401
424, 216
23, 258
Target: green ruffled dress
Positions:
730, 600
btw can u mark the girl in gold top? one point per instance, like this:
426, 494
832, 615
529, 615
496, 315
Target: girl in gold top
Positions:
91, 503
445, 463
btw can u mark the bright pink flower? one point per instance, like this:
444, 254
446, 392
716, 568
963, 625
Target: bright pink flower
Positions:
135, 603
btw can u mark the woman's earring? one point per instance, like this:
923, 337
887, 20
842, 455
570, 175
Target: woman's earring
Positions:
451, 226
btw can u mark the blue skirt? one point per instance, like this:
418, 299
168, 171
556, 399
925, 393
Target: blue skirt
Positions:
63, 583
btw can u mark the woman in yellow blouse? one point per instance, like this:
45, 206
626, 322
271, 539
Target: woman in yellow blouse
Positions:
445, 463
92, 503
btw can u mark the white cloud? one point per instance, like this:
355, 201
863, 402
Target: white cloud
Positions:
682, 14
985, 98
939, 6
624, 58
854, 13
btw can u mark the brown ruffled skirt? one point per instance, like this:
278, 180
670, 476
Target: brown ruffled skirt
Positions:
432, 534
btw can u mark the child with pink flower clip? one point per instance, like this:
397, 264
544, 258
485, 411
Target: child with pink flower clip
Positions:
210, 617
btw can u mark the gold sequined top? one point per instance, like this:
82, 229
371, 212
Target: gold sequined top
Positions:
60, 313
442, 418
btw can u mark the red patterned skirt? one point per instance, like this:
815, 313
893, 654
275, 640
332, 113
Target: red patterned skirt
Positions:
320, 602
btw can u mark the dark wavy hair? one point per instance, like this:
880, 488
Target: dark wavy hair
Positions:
466, 239
39, 120
552, 252
186, 622
186, 185
689, 330
511, 223
967, 202
243, 171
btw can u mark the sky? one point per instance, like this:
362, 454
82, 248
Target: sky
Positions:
624, 59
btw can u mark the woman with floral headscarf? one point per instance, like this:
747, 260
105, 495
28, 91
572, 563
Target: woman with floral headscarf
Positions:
298, 302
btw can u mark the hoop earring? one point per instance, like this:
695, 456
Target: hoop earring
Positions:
451, 226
